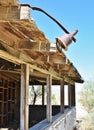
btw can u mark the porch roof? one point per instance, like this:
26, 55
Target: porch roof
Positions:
22, 42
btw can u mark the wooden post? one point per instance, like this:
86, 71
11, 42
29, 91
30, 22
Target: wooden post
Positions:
69, 95
62, 96
24, 97
49, 106
43, 95
73, 95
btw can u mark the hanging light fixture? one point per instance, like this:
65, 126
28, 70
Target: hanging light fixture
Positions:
64, 41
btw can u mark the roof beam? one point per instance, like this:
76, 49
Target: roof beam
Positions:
10, 58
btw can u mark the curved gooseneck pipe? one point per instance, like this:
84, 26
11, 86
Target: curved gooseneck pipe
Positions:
62, 27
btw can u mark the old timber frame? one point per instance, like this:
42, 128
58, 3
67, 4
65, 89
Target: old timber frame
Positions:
26, 57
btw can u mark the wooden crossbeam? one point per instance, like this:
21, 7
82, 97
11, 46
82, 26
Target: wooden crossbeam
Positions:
10, 58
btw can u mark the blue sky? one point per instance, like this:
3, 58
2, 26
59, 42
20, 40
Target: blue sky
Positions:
72, 15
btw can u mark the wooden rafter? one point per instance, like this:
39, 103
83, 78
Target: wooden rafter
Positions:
24, 43
16, 60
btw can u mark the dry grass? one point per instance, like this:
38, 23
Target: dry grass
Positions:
84, 121
85, 124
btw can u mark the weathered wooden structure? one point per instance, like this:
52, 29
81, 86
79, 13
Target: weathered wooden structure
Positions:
26, 57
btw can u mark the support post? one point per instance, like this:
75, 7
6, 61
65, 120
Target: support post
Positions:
69, 96
62, 96
49, 106
73, 95
24, 97
43, 95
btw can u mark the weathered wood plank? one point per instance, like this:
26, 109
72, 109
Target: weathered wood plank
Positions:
49, 105
5, 55
73, 95
10, 58
24, 97
62, 96
10, 75
8, 2
43, 94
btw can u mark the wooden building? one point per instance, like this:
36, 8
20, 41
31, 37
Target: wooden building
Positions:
26, 57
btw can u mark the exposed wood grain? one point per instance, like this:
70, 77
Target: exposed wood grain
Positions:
62, 96
49, 93
23, 42
24, 97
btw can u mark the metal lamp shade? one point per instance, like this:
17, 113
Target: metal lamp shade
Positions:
65, 40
